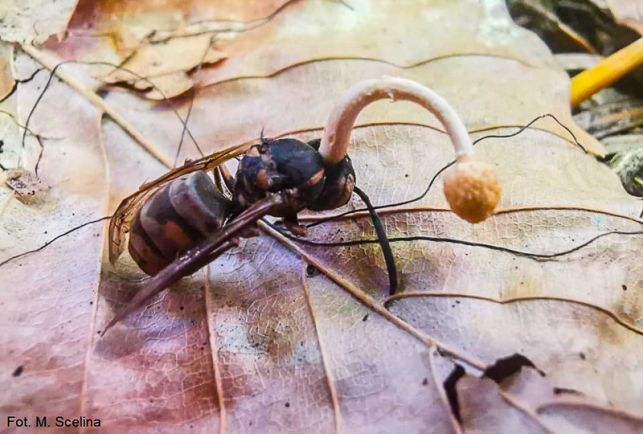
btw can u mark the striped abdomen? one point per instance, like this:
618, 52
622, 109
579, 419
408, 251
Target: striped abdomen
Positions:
176, 218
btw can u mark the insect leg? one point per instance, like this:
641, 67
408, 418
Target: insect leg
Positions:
292, 224
162, 280
383, 240
222, 176
199, 256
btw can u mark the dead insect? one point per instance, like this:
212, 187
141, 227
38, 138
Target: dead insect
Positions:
184, 220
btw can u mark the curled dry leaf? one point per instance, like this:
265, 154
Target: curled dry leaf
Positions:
160, 43
565, 410
571, 360
27, 186
502, 411
168, 78
260, 341
495, 412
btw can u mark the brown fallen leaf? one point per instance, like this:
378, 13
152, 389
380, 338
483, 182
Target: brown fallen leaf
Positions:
278, 336
27, 186
347, 28
157, 46
165, 78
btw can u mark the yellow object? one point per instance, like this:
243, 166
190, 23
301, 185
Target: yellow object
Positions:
606, 72
472, 190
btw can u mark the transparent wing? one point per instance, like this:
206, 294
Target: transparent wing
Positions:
119, 225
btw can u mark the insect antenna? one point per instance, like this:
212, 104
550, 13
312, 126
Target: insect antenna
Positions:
529, 124
187, 115
186, 129
25, 128
263, 139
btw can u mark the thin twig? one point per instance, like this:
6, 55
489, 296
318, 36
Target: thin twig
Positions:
100, 103
363, 298
325, 362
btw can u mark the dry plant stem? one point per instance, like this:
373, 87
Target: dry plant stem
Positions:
325, 362
572, 403
524, 409
337, 133
457, 429
45, 59
223, 418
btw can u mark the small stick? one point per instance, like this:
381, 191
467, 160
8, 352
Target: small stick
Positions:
46, 60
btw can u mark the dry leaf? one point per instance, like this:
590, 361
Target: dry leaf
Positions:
33, 21
6, 74
47, 299
261, 341
628, 12
27, 185
165, 78
156, 45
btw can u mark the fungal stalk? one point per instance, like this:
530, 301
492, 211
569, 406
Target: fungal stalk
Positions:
471, 187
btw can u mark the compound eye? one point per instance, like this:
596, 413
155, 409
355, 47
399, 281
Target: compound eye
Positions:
338, 186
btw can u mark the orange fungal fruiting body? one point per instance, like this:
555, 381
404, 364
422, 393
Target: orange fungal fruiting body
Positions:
472, 190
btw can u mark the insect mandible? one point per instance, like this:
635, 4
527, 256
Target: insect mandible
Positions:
184, 220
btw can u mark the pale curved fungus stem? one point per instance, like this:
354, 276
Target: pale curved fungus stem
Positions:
471, 187
337, 133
